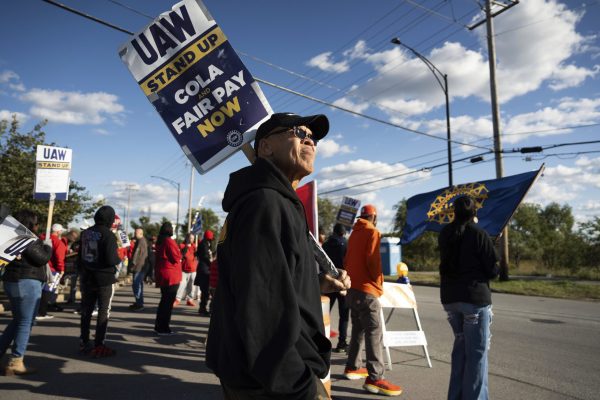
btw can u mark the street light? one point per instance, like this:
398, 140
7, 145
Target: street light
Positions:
444, 85
178, 187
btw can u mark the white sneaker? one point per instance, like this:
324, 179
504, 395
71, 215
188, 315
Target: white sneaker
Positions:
43, 317
95, 313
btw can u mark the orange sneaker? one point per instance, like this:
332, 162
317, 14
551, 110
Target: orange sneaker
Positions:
190, 303
353, 374
381, 386
176, 303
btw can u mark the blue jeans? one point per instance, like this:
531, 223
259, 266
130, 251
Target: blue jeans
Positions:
138, 287
24, 296
471, 326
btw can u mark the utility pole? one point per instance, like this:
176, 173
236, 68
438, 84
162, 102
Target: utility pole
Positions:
129, 188
177, 186
189, 226
489, 20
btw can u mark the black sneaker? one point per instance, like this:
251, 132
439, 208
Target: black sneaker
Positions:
165, 333
136, 307
342, 347
85, 347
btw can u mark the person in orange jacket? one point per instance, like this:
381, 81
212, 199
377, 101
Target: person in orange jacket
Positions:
363, 264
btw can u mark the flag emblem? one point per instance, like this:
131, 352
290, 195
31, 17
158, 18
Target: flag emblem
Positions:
441, 209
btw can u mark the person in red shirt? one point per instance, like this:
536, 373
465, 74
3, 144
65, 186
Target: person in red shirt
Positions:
57, 265
188, 266
168, 277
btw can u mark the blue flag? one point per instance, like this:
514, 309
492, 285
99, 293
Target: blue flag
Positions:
496, 199
197, 227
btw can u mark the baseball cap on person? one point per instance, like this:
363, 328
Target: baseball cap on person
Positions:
57, 228
367, 210
318, 124
209, 235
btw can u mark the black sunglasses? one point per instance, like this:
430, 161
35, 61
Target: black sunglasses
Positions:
299, 133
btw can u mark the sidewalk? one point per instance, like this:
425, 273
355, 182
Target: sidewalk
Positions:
150, 367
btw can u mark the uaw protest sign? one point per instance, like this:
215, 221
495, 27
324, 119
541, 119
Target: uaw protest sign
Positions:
186, 67
52, 172
14, 237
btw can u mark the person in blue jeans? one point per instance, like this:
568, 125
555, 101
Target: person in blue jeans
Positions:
468, 261
138, 266
23, 281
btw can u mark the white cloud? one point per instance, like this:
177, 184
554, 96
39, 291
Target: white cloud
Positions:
7, 76
363, 171
12, 79
72, 107
571, 76
350, 105
323, 61
568, 112
403, 83
8, 116
563, 184
102, 132
329, 148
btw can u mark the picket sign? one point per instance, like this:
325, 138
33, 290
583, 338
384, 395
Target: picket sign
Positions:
399, 295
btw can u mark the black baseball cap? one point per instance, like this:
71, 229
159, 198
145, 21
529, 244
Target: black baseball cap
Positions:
318, 124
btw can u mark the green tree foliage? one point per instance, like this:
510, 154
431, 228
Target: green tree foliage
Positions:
327, 214
422, 253
150, 228
546, 236
590, 233
210, 221
17, 175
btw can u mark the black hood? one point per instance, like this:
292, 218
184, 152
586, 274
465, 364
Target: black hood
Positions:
263, 174
105, 216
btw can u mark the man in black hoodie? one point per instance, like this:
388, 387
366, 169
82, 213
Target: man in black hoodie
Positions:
98, 258
266, 337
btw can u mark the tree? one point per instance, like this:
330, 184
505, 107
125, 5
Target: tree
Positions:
546, 237
150, 228
17, 175
210, 221
327, 215
590, 234
421, 253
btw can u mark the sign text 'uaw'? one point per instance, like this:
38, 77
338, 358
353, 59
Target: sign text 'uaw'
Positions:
186, 67
52, 172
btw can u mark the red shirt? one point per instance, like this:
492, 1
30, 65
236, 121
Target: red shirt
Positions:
59, 252
168, 263
189, 262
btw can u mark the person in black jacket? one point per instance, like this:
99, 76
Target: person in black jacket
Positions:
266, 337
23, 281
98, 259
468, 261
202, 278
335, 246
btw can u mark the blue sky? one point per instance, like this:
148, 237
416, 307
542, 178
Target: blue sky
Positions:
64, 68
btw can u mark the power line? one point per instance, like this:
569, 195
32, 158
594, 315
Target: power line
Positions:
130, 8
88, 16
281, 87
365, 115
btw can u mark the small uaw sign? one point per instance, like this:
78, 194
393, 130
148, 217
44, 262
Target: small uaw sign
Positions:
186, 67
347, 212
52, 172
14, 237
